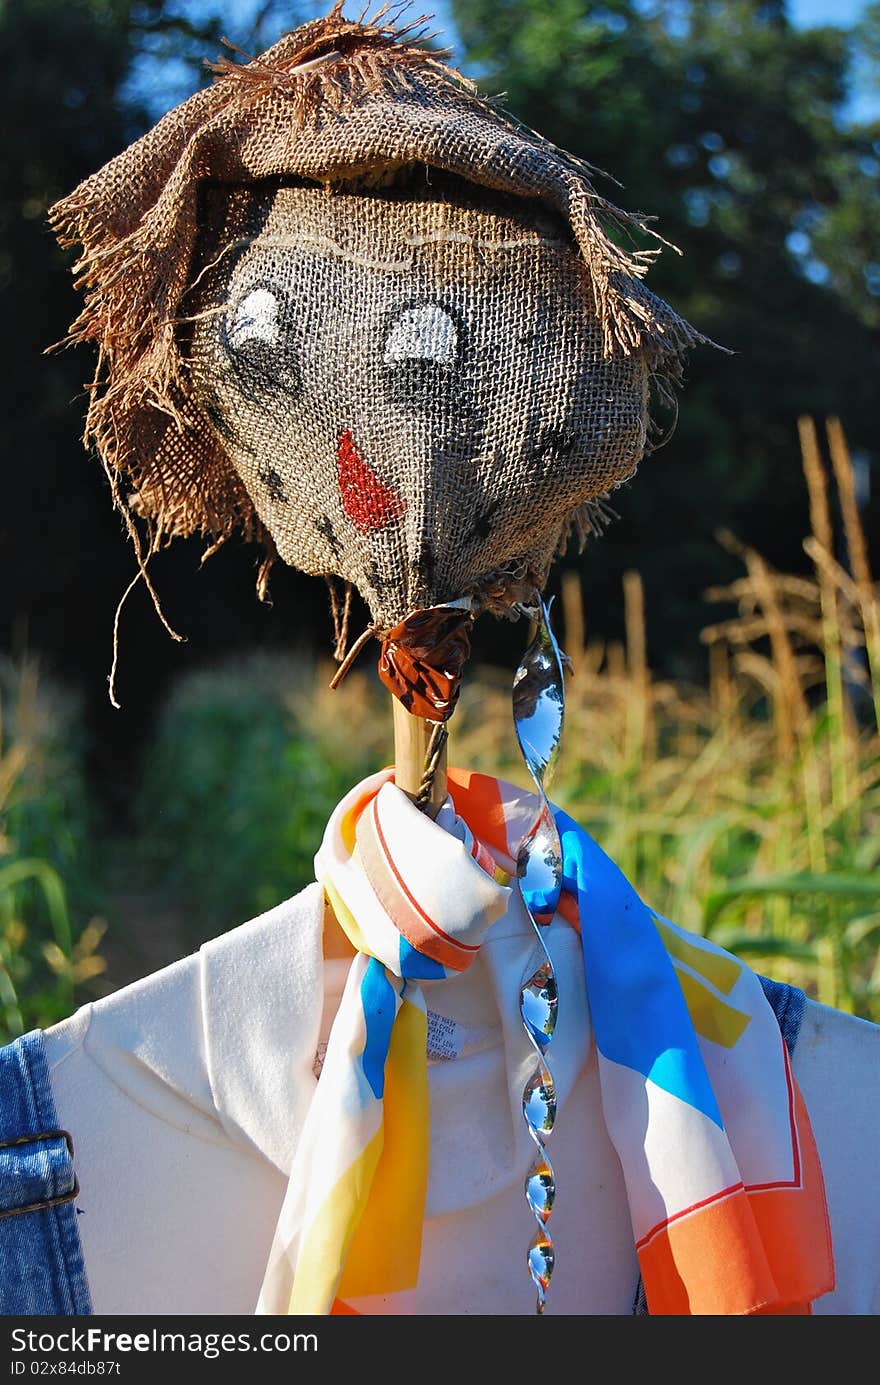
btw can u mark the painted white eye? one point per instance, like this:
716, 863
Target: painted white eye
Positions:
256, 319
424, 333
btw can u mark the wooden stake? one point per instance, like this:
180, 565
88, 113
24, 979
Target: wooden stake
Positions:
412, 737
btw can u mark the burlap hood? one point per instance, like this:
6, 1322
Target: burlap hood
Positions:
336, 103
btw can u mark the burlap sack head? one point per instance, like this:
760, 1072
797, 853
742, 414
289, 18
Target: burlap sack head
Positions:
348, 308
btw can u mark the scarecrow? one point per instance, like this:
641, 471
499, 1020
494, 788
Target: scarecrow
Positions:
350, 310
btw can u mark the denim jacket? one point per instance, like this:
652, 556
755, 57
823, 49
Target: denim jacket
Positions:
41, 1262
42, 1270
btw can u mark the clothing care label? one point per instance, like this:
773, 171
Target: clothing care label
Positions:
445, 1036
449, 1038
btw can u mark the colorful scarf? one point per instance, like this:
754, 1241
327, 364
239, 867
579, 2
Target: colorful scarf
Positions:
722, 1174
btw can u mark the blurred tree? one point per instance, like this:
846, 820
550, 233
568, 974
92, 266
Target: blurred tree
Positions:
845, 236
60, 556
726, 122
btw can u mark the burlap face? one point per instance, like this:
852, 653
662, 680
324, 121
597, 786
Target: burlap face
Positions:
413, 391
394, 381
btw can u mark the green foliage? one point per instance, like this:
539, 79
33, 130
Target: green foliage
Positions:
46, 860
248, 762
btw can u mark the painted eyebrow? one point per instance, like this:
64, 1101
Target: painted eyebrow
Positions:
307, 239
329, 246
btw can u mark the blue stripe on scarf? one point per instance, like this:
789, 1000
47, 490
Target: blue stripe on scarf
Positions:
415, 964
379, 1001
639, 1012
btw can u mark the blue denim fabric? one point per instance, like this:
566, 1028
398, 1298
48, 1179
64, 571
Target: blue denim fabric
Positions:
41, 1263
788, 1006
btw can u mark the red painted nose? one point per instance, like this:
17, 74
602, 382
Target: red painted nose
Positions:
368, 502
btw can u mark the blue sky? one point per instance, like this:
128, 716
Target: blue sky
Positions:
815, 12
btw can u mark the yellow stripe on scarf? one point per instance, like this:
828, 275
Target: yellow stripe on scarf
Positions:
372, 1220
720, 968
384, 1255
330, 1234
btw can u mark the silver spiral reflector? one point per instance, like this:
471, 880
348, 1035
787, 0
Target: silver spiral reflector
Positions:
538, 708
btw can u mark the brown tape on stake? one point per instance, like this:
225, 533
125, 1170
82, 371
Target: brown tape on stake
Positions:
423, 658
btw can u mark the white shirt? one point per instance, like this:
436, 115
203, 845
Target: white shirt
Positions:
185, 1093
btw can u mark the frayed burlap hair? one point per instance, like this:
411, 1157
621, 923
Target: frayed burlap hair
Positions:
341, 105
